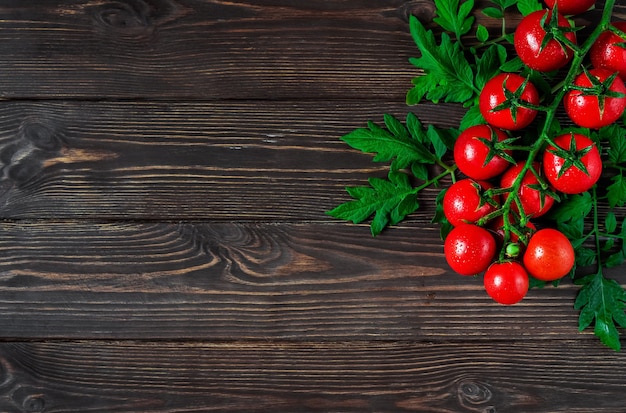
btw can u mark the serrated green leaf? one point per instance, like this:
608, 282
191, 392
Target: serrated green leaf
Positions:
454, 16
574, 208
394, 145
513, 65
601, 300
488, 65
386, 199
396, 127
616, 192
617, 144
585, 256
416, 128
448, 76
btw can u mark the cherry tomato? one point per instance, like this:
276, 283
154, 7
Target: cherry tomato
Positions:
472, 154
469, 249
531, 48
573, 180
533, 201
570, 7
549, 255
493, 96
606, 52
506, 282
591, 110
463, 202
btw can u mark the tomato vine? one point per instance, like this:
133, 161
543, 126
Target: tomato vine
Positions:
554, 166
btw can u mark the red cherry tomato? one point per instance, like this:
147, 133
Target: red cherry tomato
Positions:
549, 255
463, 202
570, 7
590, 110
506, 282
472, 154
573, 180
469, 249
533, 201
493, 95
529, 42
606, 52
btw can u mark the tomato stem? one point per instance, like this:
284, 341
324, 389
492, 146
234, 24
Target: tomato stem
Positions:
550, 113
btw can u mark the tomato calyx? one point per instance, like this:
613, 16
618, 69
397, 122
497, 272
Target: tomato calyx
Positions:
514, 99
599, 88
550, 24
497, 148
572, 156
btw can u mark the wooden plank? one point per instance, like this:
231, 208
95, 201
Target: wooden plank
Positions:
551, 376
194, 49
225, 281
171, 160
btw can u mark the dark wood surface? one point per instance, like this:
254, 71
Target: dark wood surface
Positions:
166, 168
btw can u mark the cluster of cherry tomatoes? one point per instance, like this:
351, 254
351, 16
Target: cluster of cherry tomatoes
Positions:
492, 233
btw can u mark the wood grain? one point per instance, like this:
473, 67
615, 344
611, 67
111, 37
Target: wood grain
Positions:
551, 376
254, 281
193, 49
172, 160
165, 166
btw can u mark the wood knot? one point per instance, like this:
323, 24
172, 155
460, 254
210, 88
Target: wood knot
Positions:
475, 395
127, 17
424, 10
136, 17
43, 135
34, 403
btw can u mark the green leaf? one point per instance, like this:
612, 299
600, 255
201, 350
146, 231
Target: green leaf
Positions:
601, 300
437, 140
394, 144
488, 65
493, 12
472, 117
614, 260
528, 6
513, 65
585, 256
389, 200
617, 143
574, 208
454, 17
616, 192
610, 222
482, 34
447, 76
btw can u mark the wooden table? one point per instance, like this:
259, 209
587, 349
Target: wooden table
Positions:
166, 168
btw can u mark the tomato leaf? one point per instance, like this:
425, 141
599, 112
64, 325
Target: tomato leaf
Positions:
389, 200
616, 192
447, 76
488, 65
392, 144
574, 208
528, 6
601, 300
454, 16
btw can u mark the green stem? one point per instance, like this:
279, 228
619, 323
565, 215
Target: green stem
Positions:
550, 113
